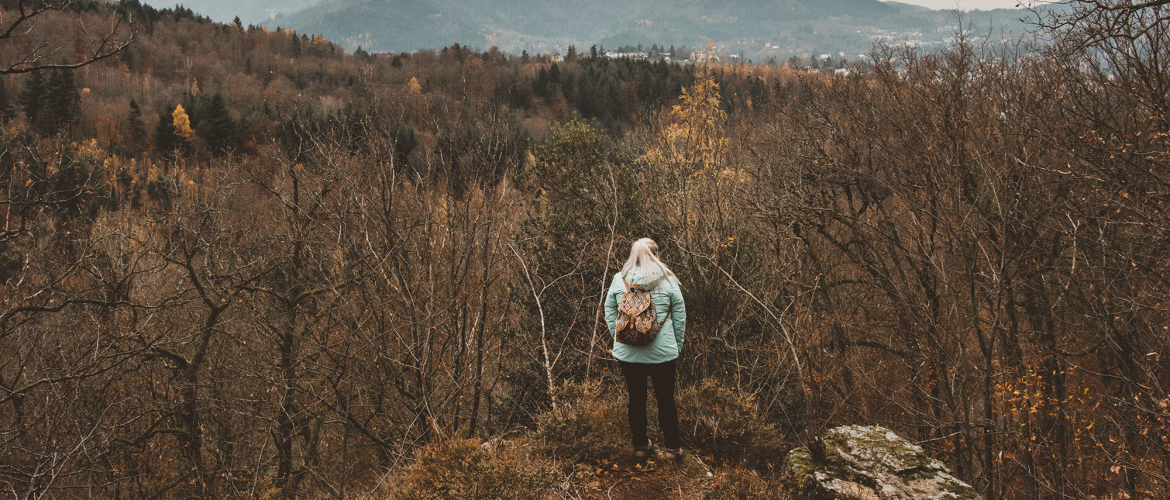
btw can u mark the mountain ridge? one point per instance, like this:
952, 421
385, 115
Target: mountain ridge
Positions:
551, 26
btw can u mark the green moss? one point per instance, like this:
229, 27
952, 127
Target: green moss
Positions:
961, 491
926, 474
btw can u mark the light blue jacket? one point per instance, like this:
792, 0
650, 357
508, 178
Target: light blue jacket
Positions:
667, 297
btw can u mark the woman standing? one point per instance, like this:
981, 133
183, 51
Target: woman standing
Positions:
656, 360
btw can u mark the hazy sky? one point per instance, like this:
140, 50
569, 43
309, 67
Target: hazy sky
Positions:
969, 4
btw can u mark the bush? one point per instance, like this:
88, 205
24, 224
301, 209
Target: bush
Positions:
742, 484
589, 422
727, 423
470, 469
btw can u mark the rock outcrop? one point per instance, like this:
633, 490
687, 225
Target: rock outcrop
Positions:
870, 463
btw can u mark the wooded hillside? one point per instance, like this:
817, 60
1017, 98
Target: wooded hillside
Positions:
244, 263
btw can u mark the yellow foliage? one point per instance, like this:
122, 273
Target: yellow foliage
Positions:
107, 130
182, 123
695, 138
412, 87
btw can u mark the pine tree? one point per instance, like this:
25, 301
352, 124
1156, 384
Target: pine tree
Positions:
295, 46
32, 97
554, 74
5, 103
217, 126
135, 128
540, 85
61, 101
165, 138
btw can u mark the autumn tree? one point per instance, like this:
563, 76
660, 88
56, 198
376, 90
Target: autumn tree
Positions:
29, 29
182, 125
588, 193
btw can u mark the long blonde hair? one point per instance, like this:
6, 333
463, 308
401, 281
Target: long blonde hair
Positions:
644, 257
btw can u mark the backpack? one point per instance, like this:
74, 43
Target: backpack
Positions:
637, 318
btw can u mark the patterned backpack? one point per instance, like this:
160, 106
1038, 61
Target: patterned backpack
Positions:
637, 318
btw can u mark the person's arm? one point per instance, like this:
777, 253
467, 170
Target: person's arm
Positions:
678, 314
611, 303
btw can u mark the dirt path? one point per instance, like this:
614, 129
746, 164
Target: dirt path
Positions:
624, 478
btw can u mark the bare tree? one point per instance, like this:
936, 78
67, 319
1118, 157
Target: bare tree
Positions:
25, 24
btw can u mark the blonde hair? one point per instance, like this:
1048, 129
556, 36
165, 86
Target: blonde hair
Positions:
644, 257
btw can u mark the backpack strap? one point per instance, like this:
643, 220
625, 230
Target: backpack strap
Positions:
633, 287
669, 310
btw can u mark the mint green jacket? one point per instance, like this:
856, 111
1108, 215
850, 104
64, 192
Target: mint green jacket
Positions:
667, 297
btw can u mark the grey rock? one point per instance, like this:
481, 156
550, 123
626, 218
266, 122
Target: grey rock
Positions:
855, 462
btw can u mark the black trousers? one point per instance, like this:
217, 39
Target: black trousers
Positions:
662, 374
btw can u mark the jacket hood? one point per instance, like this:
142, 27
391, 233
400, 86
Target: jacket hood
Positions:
635, 277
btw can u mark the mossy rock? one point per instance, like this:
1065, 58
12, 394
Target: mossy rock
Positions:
870, 463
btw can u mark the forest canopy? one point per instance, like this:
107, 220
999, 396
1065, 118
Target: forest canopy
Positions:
243, 262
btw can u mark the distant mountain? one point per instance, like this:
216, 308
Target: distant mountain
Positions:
908, 7
752, 27
249, 11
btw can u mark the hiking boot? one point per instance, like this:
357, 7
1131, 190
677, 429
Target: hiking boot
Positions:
670, 454
642, 453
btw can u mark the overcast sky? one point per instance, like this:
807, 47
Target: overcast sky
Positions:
969, 4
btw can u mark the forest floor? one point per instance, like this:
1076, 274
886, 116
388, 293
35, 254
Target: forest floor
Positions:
626, 478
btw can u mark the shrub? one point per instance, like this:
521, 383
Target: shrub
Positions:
469, 469
589, 422
727, 423
743, 484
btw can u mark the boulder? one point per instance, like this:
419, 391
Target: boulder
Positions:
856, 462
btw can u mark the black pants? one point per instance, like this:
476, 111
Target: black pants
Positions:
663, 376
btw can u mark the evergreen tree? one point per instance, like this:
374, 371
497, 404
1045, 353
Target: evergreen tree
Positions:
165, 138
192, 106
216, 125
295, 47
586, 103
61, 101
540, 84
32, 97
135, 128
5, 103
617, 104
554, 74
